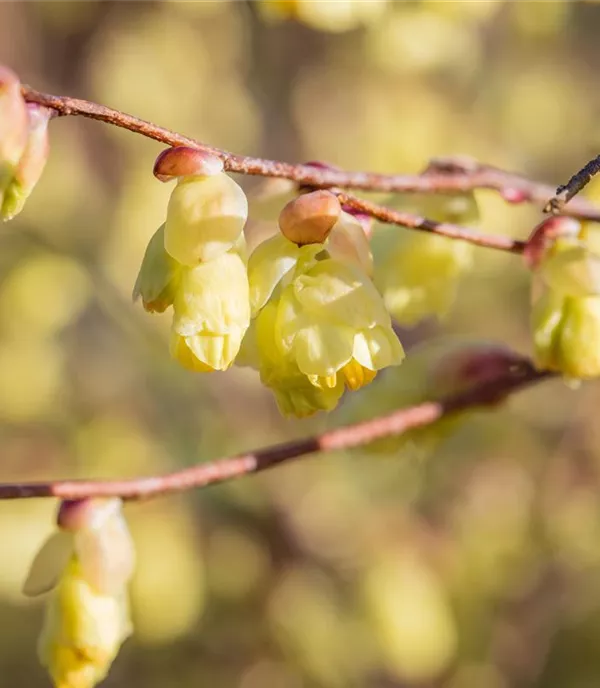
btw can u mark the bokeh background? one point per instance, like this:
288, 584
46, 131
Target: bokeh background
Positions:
473, 562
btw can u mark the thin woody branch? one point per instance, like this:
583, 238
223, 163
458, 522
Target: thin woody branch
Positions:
221, 470
422, 224
577, 183
443, 176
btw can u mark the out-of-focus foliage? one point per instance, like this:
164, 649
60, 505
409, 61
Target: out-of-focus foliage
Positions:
475, 565
418, 273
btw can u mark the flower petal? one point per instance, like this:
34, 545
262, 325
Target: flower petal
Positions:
268, 264
48, 564
348, 242
333, 291
212, 297
323, 349
205, 217
377, 348
106, 555
578, 346
574, 271
157, 279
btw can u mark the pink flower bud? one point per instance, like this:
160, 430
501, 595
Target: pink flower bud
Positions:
79, 514
31, 164
13, 124
183, 161
514, 196
545, 234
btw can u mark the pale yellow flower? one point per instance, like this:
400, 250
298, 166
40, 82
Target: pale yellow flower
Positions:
13, 126
332, 321
565, 316
321, 323
31, 164
294, 392
419, 273
83, 631
158, 276
348, 242
205, 218
211, 313
86, 569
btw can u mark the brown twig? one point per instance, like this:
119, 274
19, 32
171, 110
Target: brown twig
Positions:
567, 191
444, 176
417, 222
202, 475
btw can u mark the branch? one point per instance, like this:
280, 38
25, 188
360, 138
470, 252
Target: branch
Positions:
221, 470
417, 222
577, 183
443, 176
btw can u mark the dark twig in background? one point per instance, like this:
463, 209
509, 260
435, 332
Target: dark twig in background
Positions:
567, 191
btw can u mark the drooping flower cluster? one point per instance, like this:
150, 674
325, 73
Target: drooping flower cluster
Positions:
320, 324
195, 262
23, 145
566, 301
85, 567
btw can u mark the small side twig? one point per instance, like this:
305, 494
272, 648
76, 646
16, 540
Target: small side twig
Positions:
422, 224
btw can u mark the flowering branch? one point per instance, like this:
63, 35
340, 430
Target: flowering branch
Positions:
491, 392
443, 176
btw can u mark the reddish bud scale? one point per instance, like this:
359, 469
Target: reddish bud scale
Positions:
365, 220
13, 123
34, 157
183, 161
76, 514
514, 196
544, 235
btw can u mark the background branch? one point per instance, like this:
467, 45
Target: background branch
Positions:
204, 474
577, 183
444, 175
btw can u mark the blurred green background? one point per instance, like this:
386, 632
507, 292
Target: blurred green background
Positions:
476, 565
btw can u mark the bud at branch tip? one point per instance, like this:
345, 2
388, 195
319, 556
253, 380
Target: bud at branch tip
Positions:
183, 161
309, 218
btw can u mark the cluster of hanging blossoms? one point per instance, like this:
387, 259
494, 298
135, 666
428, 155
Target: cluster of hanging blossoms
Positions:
195, 262
303, 310
85, 566
565, 317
